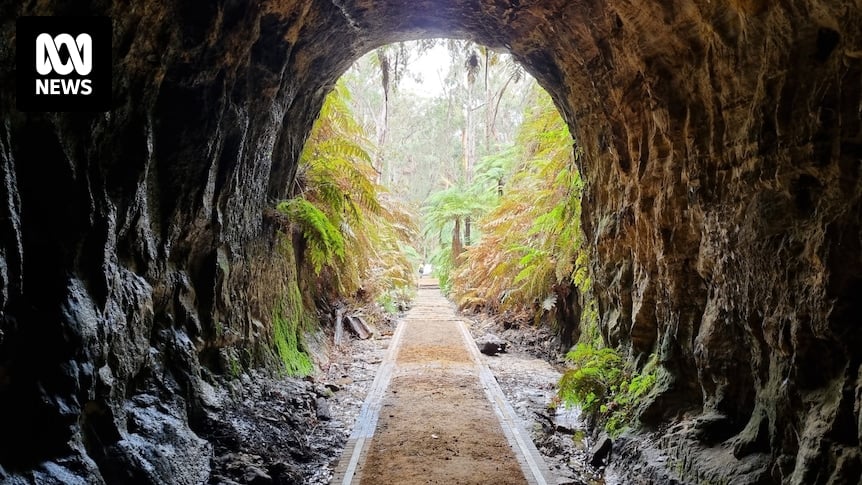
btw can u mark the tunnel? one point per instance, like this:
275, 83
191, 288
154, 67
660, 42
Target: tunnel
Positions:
722, 208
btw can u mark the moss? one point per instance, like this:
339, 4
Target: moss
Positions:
235, 366
289, 319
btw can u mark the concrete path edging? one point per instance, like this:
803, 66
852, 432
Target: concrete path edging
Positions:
531, 462
366, 422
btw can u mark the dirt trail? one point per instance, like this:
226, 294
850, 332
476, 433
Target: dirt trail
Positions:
430, 420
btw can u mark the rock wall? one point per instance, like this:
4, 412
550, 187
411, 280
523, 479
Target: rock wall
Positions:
724, 204
723, 144
136, 257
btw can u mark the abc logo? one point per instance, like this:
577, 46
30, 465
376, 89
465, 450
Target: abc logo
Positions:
48, 54
64, 63
48, 60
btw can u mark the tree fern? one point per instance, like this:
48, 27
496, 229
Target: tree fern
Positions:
531, 245
324, 239
354, 234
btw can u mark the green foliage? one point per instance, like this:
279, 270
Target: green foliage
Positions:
604, 386
495, 169
357, 238
445, 206
423, 137
590, 323
289, 318
446, 213
325, 243
235, 366
401, 289
442, 262
589, 383
388, 302
531, 249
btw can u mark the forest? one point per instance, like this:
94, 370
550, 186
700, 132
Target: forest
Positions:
447, 153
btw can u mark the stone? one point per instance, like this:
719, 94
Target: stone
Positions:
600, 452
490, 344
255, 476
222, 480
323, 411
284, 473
489, 348
323, 391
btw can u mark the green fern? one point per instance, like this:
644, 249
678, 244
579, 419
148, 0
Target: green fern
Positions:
531, 244
606, 388
354, 233
324, 239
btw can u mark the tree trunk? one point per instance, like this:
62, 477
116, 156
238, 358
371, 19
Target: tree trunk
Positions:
383, 125
489, 126
457, 247
469, 133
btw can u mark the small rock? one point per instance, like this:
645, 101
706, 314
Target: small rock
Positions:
222, 480
490, 344
324, 413
323, 391
600, 452
490, 348
284, 473
255, 476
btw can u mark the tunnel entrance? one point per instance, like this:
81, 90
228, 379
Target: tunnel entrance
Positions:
467, 147
477, 143
722, 202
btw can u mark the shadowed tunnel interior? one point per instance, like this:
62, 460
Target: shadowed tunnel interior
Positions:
722, 150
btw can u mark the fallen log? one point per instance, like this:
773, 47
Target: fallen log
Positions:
359, 327
339, 326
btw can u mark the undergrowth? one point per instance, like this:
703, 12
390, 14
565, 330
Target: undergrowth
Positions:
356, 239
606, 387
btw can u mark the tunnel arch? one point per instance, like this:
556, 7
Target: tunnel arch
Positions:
722, 152
389, 22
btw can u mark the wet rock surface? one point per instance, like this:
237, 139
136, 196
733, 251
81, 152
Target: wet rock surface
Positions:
268, 429
659, 458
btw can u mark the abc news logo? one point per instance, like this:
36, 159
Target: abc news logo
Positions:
64, 63
48, 60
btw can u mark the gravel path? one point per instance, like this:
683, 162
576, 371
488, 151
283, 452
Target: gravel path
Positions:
287, 430
436, 418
